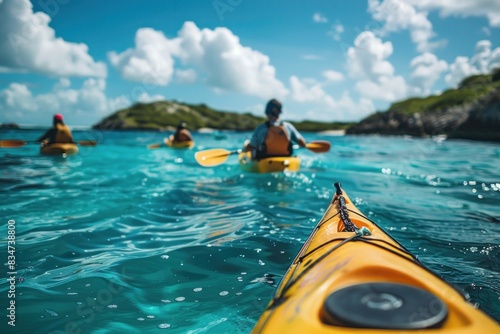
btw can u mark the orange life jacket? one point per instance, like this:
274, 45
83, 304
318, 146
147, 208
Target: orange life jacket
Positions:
277, 141
63, 134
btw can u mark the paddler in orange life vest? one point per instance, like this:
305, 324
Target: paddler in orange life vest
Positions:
182, 134
59, 133
275, 137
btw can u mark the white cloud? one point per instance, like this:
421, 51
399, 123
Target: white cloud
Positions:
322, 106
151, 59
146, 98
91, 98
426, 70
483, 61
120, 102
319, 18
413, 15
463, 8
366, 61
227, 65
387, 89
460, 69
89, 101
481, 58
186, 76
17, 97
333, 76
302, 93
401, 14
347, 109
27, 43
336, 31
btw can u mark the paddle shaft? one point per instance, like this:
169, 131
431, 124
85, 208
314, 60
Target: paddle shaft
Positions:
14, 143
217, 156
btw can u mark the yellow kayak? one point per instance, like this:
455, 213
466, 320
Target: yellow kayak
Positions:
352, 277
268, 165
185, 144
59, 149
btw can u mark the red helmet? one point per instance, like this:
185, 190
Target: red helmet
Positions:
58, 117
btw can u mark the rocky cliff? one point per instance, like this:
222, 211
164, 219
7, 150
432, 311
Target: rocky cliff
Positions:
482, 121
470, 112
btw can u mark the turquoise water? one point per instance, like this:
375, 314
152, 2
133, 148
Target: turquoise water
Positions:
122, 239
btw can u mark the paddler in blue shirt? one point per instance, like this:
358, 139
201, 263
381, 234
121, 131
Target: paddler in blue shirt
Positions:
275, 137
58, 133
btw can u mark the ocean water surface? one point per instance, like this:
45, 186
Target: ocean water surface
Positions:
124, 239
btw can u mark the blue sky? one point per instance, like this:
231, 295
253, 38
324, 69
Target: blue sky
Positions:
325, 60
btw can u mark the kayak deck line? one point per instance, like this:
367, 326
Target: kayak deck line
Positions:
395, 289
344, 215
359, 234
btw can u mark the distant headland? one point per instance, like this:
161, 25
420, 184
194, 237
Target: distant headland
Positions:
471, 111
9, 126
165, 115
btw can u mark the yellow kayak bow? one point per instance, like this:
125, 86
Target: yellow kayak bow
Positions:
352, 277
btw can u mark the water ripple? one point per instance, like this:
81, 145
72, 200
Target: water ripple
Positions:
125, 239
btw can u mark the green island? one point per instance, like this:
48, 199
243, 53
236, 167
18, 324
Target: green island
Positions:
471, 111
165, 115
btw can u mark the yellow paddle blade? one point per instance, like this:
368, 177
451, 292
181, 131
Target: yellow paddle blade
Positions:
213, 157
11, 143
87, 143
153, 146
319, 146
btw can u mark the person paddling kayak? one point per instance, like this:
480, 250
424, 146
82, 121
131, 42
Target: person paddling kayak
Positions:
275, 137
182, 134
59, 133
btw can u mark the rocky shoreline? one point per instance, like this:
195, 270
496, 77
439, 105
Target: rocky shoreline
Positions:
475, 120
471, 111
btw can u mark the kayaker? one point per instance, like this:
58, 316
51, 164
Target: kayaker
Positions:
58, 133
274, 137
182, 134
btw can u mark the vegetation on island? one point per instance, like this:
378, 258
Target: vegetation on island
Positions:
469, 90
470, 111
165, 115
